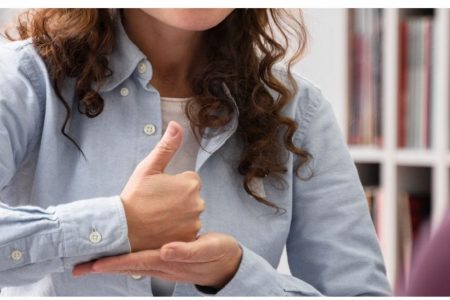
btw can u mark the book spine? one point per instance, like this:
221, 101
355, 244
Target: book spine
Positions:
403, 84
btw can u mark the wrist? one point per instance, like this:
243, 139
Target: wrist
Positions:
128, 216
233, 267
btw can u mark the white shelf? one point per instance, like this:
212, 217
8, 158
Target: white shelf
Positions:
419, 158
366, 154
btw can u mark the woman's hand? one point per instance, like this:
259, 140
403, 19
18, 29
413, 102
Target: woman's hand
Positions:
211, 260
162, 208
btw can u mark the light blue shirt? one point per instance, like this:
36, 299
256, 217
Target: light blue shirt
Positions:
58, 209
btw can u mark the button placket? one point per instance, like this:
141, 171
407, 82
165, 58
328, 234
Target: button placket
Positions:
149, 129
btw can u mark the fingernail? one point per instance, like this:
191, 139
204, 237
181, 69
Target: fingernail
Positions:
171, 130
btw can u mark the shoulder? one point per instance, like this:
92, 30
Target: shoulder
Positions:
13, 53
21, 68
307, 103
23, 86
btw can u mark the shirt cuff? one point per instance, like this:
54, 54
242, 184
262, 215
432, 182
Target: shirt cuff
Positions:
256, 277
93, 228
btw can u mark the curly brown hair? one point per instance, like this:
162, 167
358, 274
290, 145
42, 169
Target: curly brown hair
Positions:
241, 52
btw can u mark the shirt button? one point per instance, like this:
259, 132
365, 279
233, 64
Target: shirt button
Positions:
16, 255
136, 277
124, 92
149, 129
95, 237
142, 67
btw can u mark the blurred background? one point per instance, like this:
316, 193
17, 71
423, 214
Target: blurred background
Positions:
386, 73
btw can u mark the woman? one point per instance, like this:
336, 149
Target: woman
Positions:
254, 161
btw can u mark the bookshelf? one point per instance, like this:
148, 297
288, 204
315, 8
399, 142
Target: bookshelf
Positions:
422, 170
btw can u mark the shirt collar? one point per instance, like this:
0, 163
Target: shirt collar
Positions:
124, 59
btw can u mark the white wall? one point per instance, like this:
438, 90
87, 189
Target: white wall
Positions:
6, 15
326, 59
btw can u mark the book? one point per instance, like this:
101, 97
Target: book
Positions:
413, 215
415, 77
365, 104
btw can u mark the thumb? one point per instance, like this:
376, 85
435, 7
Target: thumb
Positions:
206, 248
159, 158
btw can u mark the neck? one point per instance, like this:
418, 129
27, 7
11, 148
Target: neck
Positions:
173, 53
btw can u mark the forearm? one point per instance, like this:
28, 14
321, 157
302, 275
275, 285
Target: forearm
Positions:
36, 242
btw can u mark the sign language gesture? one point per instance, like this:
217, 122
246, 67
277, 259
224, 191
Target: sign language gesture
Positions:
163, 221
211, 260
162, 208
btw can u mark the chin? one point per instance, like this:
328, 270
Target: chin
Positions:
190, 19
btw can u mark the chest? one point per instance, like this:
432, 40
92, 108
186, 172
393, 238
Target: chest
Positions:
126, 131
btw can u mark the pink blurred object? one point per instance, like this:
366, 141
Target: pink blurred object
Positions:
430, 271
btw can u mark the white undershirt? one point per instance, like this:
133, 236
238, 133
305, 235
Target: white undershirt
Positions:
172, 109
